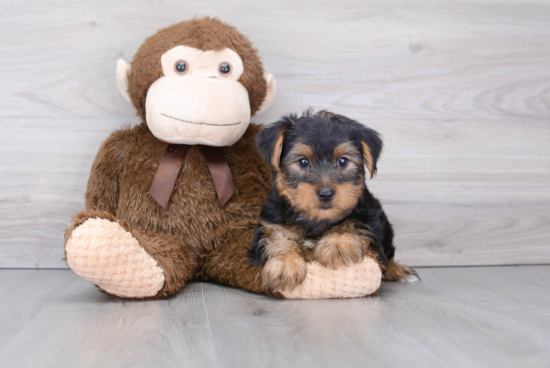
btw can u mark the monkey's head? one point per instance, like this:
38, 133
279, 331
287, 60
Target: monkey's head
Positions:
197, 82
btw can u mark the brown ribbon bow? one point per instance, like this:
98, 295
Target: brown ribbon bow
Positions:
170, 165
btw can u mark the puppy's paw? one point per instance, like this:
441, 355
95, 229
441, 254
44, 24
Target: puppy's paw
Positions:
399, 272
339, 249
284, 272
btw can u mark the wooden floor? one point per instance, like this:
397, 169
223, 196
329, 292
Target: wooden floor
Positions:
454, 317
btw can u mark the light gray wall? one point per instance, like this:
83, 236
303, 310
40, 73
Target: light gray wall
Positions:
460, 91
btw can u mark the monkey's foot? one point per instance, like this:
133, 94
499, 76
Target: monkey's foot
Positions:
104, 253
354, 281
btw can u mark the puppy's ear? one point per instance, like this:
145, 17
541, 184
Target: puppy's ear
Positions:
270, 141
371, 145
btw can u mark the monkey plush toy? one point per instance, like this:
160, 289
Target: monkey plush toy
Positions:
176, 197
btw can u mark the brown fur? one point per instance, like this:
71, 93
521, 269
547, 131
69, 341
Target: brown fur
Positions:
298, 151
284, 272
317, 194
280, 184
345, 149
343, 245
184, 237
274, 233
204, 34
339, 249
322, 113
286, 267
193, 238
304, 198
398, 272
367, 156
275, 161
307, 253
228, 264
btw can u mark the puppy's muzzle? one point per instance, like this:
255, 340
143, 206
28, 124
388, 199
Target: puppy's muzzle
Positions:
325, 194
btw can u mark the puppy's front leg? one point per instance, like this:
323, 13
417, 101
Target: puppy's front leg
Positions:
277, 248
341, 246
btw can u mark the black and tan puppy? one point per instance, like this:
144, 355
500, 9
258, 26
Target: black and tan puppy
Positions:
320, 207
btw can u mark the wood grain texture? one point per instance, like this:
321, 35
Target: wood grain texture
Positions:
394, 59
52, 319
454, 317
453, 198
460, 91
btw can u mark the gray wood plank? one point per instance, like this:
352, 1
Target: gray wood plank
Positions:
396, 59
454, 317
462, 317
56, 319
458, 192
43, 181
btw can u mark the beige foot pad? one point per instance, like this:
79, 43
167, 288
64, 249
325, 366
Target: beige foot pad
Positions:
102, 252
347, 282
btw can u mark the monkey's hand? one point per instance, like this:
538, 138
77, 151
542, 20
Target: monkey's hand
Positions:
355, 281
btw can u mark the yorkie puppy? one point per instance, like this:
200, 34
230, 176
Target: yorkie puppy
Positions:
320, 207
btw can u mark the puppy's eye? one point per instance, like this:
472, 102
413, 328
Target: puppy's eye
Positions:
343, 162
303, 162
181, 66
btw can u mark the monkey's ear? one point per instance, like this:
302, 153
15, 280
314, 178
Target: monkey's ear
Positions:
122, 73
270, 141
270, 92
371, 146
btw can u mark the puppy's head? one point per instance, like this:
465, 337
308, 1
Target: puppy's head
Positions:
319, 162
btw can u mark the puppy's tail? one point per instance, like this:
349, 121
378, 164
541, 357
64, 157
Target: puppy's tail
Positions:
399, 272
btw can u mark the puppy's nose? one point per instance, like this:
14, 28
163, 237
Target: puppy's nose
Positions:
325, 194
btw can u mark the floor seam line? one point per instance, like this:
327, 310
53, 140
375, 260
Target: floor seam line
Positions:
209, 326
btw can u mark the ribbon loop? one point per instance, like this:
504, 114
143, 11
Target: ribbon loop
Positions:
170, 165
221, 174
167, 173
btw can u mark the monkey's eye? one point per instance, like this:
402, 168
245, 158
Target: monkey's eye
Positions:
225, 68
343, 162
181, 66
303, 162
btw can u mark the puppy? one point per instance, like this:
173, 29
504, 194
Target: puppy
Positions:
320, 208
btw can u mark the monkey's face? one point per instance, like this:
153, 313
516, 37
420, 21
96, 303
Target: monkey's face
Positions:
199, 100
199, 94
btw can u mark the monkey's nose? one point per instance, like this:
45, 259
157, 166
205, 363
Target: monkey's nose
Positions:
325, 194
204, 73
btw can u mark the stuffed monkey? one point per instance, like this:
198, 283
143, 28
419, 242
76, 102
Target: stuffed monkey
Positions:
176, 197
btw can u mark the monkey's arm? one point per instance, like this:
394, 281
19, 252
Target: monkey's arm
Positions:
103, 184
228, 264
